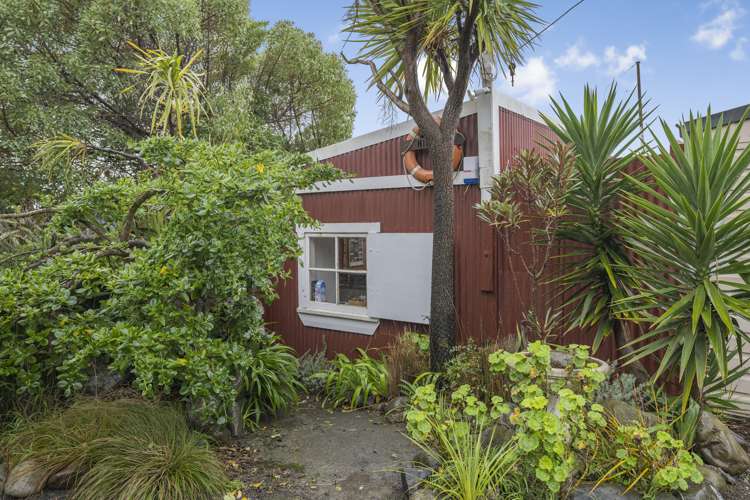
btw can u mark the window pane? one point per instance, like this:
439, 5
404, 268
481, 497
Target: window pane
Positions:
323, 286
323, 253
353, 253
353, 289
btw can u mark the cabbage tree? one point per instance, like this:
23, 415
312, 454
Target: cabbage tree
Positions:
443, 40
689, 228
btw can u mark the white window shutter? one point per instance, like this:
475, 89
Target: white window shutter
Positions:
399, 273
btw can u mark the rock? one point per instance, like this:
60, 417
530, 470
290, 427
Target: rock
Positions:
425, 461
395, 410
423, 494
236, 422
713, 476
718, 446
25, 479
411, 477
101, 379
705, 491
64, 479
496, 435
607, 491
627, 414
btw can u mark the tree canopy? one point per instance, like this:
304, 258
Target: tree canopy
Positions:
57, 58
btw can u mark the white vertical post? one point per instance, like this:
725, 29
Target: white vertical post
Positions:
488, 138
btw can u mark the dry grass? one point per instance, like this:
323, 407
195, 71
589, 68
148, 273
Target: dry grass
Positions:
407, 358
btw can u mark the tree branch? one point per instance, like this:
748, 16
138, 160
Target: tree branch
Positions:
128, 224
445, 69
31, 213
124, 154
397, 101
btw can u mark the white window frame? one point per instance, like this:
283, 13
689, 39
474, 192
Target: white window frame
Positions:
332, 316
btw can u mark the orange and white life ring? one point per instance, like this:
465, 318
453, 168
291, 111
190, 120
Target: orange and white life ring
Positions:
409, 156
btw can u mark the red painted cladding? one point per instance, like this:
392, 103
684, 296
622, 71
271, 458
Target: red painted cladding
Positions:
518, 132
384, 158
397, 210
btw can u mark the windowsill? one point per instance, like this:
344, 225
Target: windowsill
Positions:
338, 321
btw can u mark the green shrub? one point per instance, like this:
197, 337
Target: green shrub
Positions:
271, 381
354, 383
125, 449
467, 466
163, 277
470, 366
648, 460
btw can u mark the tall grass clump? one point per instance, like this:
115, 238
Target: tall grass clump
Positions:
124, 449
407, 358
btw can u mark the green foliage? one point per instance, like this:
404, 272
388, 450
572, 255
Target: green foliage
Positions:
66, 84
303, 93
624, 387
500, 30
354, 383
646, 460
124, 449
468, 468
161, 278
689, 229
270, 382
173, 91
470, 365
602, 137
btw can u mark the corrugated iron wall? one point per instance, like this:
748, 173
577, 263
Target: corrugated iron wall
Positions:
403, 211
384, 158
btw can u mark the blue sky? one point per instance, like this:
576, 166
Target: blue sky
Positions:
693, 53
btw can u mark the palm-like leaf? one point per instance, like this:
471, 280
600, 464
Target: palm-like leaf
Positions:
381, 27
174, 90
603, 138
690, 231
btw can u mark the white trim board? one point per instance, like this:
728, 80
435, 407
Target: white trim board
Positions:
381, 182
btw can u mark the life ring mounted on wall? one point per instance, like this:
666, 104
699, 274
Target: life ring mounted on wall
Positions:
414, 142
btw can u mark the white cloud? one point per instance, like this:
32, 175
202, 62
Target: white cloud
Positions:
717, 32
738, 54
619, 62
575, 58
534, 82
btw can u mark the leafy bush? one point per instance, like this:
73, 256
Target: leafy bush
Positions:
354, 383
271, 381
470, 366
125, 449
162, 277
649, 460
407, 358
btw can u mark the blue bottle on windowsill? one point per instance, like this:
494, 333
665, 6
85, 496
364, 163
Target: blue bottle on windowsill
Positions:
319, 293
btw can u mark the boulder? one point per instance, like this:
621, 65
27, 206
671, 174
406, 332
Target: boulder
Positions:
63, 479
606, 491
411, 478
705, 491
713, 476
425, 461
496, 435
25, 479
627, 414
395, 410
423, 494
717, 444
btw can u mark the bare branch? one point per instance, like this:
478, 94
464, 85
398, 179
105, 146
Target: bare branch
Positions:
31, 213
397, 101
445, 69
124, 154
128, 224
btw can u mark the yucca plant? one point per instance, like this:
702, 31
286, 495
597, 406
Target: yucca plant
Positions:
173, 89
689, 228
352, 383
604, 138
